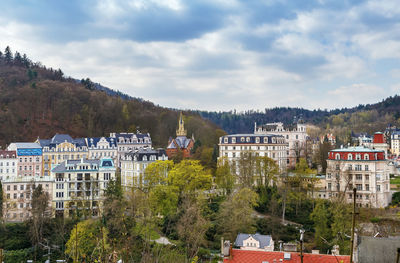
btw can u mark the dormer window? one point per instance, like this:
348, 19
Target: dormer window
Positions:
241, 139
247, 139
358, 156
337, 156
257, 139
265, 139
226, 140
349, 156
233, 139
366, 156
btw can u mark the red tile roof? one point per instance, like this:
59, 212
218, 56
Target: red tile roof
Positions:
246, 256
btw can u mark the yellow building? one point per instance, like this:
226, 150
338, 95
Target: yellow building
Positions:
61, 148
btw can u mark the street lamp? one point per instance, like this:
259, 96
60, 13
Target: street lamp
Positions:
301, 244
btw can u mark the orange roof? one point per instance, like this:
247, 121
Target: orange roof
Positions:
246, 256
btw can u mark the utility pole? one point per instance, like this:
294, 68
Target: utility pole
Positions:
301, 244
353, 223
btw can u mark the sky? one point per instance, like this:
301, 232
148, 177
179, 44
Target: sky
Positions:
217, 54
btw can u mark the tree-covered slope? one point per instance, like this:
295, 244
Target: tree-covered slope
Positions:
36, 101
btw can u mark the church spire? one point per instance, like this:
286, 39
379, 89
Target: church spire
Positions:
181, 129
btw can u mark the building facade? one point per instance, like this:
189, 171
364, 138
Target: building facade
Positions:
256, 242
395, 143
103, 147
8, 165
127, 142
365, 169
18, 196
295, 135
275, 147
60, 148
80, 184
133, 166
181, 144
29, 158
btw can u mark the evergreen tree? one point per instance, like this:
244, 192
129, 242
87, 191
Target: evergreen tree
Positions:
8, 55
17, 59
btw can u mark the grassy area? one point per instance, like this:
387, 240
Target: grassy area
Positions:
395, 180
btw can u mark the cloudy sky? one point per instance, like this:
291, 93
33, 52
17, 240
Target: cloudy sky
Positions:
217, 54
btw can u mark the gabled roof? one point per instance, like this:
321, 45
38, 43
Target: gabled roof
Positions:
249, 256
265, 240
179, 142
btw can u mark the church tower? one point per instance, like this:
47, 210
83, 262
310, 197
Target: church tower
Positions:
181, 128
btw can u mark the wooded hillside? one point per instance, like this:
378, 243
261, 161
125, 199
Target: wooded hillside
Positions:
36, 101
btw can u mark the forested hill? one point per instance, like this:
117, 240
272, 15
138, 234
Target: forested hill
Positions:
363, 118
36, 101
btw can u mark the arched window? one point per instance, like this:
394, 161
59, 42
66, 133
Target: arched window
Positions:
242, 139
247, 139
265, 139
257, 139
337, 156
358, 156
366, 156
349, 156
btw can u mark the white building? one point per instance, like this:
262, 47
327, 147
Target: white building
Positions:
255, 242
80, 184
8, 164
395, 143
365, 169
103, 147
295, 135
272, 146
127, 142
18, 195
133, 165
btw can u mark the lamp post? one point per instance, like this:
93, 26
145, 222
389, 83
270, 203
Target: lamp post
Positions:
301, 244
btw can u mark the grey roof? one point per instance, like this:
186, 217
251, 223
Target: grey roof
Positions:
26, 145
252, 138
139, 154
182, 141
265, 240
60, 138
356, 149
105, 162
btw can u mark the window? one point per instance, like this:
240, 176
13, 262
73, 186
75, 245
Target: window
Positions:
226, 140
378, 188
367, 177
247, 139
358, 156
8, 188
349, 156
366, 157
350, 167
358, 177
15, 187
329, 186
366, 168
359, 187
242, 139
265, 139
367, 187
337, 167
233, 139
358, 167
257, 139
